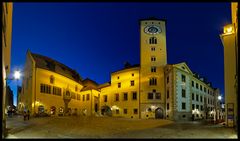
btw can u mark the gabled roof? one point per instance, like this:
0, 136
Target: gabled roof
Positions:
104, 85
128, 67
184, 67
89, 84
55, 66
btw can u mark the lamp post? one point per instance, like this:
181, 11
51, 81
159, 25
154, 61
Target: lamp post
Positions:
16, 76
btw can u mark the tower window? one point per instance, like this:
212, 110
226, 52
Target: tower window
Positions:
153, 48
153, 81
153, 40
153, 58
153, 69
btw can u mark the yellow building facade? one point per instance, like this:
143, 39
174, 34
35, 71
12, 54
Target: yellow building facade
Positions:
149, 90
7, 8
52, 88
230, 42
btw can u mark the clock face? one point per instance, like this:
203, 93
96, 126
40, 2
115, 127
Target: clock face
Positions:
153, 29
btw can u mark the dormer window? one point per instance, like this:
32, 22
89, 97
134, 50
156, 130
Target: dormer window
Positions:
52, 79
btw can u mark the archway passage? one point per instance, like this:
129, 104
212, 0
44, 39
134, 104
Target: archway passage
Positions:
106, 110
159, 113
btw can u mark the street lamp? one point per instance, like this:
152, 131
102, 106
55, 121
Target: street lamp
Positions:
219, 97
17, 75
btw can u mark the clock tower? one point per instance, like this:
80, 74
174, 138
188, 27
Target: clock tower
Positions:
153, 58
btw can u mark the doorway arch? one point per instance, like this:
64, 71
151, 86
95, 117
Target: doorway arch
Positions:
159, 113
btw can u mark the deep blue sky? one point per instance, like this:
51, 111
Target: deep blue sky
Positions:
96, 39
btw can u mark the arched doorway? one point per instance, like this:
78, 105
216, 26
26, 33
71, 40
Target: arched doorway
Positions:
159, 113
106, 110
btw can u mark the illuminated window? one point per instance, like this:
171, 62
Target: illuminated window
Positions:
153, 40
135, 111
132, 83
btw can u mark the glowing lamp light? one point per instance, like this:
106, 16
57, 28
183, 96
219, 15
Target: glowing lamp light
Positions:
17, 75
228, 29
219, 97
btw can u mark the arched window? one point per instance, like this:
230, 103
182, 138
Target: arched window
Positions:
153, 40
153, 81
52, 79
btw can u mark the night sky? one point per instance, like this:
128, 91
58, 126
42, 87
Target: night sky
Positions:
96, 39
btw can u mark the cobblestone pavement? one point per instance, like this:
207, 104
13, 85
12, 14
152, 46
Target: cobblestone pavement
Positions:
108, 127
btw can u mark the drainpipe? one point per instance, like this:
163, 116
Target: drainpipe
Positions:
91, 103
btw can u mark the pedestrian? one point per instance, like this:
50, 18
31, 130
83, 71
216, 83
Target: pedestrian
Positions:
28, 114
24, 115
